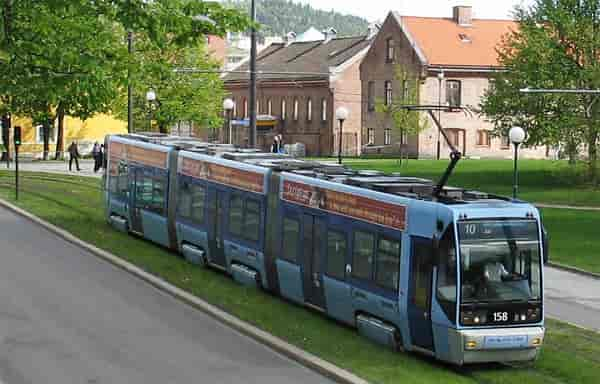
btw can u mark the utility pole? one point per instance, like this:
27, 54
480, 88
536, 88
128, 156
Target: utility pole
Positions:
129, 87
252, 135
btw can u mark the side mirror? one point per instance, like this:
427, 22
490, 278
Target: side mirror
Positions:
545, 245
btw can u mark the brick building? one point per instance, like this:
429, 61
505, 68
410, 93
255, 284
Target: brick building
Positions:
461, 48
300, 87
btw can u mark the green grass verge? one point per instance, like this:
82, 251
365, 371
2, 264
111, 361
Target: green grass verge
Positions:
540, 181
573, 237
570, 355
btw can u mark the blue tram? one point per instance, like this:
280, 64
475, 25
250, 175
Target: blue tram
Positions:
455, 275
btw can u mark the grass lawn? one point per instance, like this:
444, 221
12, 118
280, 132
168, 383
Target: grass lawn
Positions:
574, 237
570, 355
540, 181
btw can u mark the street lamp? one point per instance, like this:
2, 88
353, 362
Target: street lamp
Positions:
228, 107
150, 98
341, 113
516, 136
440, 77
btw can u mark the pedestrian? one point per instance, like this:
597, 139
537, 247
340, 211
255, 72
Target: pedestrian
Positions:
281, 148
275, 145
73, 155
101, 155
97, 155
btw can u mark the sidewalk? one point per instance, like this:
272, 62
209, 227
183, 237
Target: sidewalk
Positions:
61, 167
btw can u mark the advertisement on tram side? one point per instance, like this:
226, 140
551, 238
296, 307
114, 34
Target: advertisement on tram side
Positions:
222, 174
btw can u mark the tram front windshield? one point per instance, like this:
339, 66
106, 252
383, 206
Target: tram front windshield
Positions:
500, 261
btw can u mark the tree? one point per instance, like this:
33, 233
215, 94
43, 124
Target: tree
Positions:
180, 96
556, 46
405, 121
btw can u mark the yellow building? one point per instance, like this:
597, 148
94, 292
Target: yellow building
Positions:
85, 133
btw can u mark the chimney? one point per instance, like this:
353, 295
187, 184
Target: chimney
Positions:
289, 38
462, 14
372, 30
330, 34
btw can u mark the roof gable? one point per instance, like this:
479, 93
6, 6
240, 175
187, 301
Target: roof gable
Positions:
444, 42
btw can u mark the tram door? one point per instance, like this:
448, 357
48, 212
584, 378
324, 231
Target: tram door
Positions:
136, 188
419, 293
313, 228
217, 211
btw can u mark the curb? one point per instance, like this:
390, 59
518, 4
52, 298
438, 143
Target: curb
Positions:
560, 206
304, 358
576, 270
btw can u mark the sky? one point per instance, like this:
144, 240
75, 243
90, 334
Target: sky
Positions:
376, 10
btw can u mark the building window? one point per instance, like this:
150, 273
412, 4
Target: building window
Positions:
257, 106
405, 90
389, 57
453, 93
39, 134
323, 109
283, 110
295, 109
309, 109
388, 92
483, 138
234, 110
371, 96
452, 136
387, 136
504, 141
245, 108
370, 136
269, 107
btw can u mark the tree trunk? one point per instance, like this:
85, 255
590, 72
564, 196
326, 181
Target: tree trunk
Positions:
60, 115
593, 154
6, 123
162, 128
46, 135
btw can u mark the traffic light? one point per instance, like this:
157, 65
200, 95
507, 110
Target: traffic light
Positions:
17, 135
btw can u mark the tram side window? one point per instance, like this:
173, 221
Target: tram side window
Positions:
363, 257
119, 182
236, 205
184, 201
198, 198
158, 196
336, 254
446, 274
290, 242
252, 220
387, 269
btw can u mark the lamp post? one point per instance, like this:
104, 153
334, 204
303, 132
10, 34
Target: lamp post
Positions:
228, 108
440, 77
341, 114
516, 135
150, 98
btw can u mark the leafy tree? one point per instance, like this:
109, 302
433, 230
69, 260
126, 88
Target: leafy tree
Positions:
194, 96
405, 121
556, 46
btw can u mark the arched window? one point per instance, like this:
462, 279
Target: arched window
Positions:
269, 107
295, 109
324, 109
309, 109
245, 108
283, 109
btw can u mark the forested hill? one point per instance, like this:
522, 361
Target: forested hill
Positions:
279, 17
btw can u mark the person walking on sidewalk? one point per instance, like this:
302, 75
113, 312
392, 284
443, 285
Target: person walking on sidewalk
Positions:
73, 155
97, 154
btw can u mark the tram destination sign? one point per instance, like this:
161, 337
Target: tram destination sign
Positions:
146, 156
346, 204
222, 174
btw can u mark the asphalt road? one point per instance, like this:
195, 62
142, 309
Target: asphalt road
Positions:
572, 297
69, 317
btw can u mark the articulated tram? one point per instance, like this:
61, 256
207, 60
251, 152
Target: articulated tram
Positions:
442, 271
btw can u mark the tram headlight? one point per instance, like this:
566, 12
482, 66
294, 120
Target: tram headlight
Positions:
533, 314
473, 317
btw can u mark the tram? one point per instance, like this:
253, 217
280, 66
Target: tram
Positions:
443, 271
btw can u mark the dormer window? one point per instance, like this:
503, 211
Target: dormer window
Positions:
464, 38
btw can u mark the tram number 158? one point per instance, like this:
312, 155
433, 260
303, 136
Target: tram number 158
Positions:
500, 317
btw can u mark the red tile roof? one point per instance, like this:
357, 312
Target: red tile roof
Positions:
439, 39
